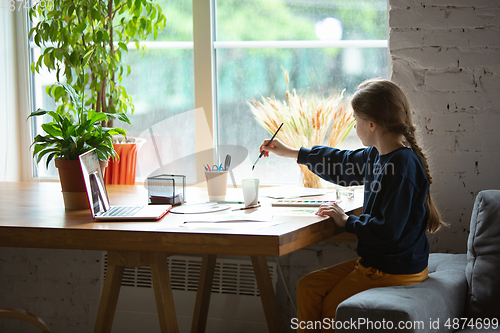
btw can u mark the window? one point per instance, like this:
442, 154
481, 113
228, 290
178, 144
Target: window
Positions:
323, 45
160, 83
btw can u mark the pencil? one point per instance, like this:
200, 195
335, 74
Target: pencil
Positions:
249, 207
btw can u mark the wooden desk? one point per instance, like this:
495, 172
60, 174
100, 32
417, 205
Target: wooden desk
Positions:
32, 215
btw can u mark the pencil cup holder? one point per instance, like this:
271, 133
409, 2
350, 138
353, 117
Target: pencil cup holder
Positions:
166, 189
216, 185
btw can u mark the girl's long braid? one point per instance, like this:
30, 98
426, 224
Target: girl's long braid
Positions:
433, 215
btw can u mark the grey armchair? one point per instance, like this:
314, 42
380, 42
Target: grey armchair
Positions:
462, 293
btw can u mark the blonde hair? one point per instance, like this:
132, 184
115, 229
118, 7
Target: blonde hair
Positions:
384, 103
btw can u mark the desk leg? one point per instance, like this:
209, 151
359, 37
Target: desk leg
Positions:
117, 260
163, 293
203, 295
268, 297
109, 298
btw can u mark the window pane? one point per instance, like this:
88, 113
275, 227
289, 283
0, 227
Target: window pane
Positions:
161, 85
254, 20
162, 88
245, 75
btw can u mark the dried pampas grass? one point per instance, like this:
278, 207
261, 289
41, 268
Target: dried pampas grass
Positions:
307, 121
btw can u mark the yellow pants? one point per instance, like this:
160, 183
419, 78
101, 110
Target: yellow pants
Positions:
320, 292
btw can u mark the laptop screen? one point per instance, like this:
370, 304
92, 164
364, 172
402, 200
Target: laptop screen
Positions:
94, 182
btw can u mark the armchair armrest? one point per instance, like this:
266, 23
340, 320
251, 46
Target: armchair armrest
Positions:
423, 307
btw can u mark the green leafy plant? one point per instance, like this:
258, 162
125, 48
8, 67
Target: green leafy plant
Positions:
97, 31
75, 131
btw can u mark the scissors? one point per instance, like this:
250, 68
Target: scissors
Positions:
227, 162
216, 168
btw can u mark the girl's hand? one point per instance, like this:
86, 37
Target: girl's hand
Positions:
279, 148
335, 212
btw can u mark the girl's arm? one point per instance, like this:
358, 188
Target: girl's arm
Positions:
343, 167
279, 148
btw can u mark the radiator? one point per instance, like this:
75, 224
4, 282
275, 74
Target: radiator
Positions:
235, 304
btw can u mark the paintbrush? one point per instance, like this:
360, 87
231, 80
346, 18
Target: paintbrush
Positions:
262, 153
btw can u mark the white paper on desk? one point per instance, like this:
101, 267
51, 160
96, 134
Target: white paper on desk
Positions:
231, 217
288, 192
241, 221
287, 211
233, 226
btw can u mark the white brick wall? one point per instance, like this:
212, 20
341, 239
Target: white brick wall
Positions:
446, 56
62, 287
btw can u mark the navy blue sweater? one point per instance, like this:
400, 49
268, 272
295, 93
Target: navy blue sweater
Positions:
392, 229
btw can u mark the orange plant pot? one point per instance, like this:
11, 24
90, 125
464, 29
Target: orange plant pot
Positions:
122, 171
72, 184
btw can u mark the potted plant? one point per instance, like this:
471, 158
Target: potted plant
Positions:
70, 133
98, 31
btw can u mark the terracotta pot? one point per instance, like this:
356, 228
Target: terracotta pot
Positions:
122, 171
72, 184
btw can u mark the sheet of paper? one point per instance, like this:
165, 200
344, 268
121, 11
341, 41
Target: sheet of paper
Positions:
199, 208
232, 220
287, 192
230, 217
286, 211
236, 226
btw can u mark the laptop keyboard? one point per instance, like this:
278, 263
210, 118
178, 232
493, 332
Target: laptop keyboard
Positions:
121, 211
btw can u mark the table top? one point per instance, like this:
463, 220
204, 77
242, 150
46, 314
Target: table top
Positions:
32, 215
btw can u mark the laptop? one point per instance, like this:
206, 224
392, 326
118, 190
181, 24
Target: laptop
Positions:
100, 208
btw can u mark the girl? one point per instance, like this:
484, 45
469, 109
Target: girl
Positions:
392, 243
